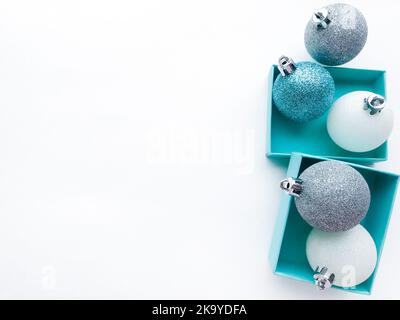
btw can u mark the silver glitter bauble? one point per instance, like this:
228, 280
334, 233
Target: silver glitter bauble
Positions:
336, 34
330, 196
303, 91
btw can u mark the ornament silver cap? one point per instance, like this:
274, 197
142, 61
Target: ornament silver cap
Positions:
321, 18
374, 103
323, 278
286, 66
292, 186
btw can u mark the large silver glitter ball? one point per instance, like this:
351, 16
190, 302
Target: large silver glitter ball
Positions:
336, 34
334, 197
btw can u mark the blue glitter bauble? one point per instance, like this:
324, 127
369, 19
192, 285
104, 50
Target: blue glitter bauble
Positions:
336, 34
305, 94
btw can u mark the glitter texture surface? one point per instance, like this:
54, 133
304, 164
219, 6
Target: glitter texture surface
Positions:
305, 94
335, 196
342, 40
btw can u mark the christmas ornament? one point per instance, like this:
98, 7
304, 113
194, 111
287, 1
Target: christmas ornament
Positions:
330, 195
360, 121
303, 91
336, 34
344, 259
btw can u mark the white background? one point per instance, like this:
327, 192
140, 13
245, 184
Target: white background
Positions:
132, 139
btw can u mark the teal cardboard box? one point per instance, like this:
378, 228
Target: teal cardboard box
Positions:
285, 136
288, 248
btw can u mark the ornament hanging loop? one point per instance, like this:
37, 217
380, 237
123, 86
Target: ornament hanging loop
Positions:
286, 66
321, 18
374, 103
323, 279
292, 186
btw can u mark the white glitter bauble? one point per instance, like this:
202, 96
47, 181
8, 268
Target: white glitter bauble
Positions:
350, 255
359, 125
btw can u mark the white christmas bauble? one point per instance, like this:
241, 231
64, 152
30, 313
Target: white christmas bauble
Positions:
360, 121
350, 255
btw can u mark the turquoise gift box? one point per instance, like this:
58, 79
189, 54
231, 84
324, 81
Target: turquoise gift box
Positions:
285, 136
288, 248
